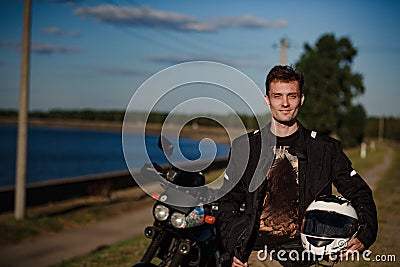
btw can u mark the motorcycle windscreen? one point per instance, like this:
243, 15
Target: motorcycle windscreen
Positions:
329, 224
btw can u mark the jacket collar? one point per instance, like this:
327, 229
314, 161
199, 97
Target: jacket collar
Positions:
299, 149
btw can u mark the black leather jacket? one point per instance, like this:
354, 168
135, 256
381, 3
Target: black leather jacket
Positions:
322, 163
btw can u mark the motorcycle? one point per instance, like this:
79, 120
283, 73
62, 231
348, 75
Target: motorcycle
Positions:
180, 236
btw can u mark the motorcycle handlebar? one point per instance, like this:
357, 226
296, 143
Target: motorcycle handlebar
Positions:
205, 194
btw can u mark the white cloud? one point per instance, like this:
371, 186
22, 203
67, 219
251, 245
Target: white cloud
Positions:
147, 17
10, 44
45, 48
52, 31
74, 33
119, 71
58, 31
246, 21
42, 48
138, 16
69, 2
172, 60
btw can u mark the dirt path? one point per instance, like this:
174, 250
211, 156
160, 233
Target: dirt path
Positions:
373, 175
48, 250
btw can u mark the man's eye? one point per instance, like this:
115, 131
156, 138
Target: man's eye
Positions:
293, 96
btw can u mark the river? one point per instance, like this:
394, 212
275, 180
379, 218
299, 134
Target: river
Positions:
55, 153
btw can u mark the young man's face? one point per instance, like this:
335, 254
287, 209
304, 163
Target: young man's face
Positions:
284, 100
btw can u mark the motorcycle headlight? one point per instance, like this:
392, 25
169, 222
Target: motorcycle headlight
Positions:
178, 220
161, 212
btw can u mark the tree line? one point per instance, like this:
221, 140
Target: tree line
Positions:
387, 127
118, 116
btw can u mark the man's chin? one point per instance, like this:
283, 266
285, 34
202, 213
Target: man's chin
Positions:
287, 122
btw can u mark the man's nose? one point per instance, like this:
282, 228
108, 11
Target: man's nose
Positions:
285, 101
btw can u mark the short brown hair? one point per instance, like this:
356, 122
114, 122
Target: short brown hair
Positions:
284, 74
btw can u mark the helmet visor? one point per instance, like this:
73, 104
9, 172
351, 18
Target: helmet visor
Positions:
329, 224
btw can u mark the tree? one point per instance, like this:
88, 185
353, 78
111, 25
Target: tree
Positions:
352, 126
330, 86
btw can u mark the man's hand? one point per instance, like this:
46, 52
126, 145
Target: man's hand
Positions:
237, 263
353, 245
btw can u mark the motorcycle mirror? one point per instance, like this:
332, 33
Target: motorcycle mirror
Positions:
165, 145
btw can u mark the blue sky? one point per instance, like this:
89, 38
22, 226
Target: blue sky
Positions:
95, 54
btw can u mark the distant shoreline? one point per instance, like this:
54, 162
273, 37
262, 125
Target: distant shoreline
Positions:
215, 133
67, 123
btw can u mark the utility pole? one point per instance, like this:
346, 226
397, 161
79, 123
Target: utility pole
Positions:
22, 138
284, 47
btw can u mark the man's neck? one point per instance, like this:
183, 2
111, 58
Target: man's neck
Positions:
283, 129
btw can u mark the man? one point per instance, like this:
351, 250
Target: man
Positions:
286, 166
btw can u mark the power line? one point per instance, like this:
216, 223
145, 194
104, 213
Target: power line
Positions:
197, 45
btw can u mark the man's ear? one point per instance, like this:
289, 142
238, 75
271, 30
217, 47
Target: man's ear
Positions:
302, 98
266, 98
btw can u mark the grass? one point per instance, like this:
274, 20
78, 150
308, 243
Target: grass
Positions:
362, 165
125, 253
387, 199
72, 214
372, 158
40, 223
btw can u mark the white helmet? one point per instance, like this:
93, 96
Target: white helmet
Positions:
329, 222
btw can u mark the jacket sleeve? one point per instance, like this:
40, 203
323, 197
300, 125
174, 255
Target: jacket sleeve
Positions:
230, 203
351, 186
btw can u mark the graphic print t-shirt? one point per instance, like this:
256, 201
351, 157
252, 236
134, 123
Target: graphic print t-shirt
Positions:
279, 221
